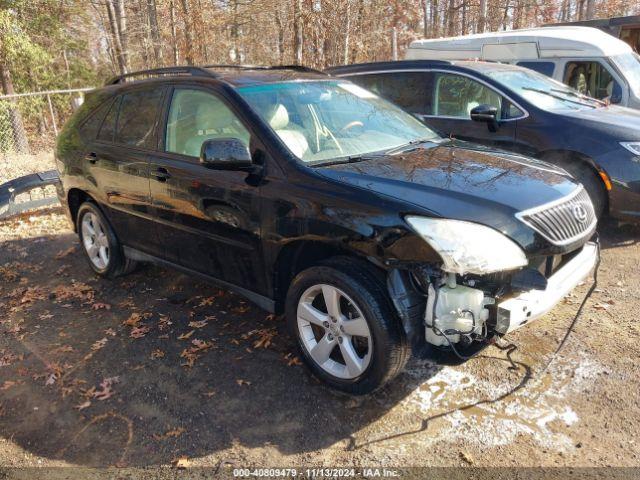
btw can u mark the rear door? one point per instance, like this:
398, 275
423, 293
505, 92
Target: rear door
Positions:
118, 165
209, 220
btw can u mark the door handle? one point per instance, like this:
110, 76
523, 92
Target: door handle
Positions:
91, 157
161, 174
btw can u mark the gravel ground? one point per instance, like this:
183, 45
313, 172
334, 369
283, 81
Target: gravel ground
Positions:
157, 368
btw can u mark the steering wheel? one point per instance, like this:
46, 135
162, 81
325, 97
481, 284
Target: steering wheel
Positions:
350, 125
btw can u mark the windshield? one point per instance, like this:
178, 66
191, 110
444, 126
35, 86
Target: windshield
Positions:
629, 66
329, 120
542, 91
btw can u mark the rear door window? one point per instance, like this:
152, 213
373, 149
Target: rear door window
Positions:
545, 68
408, 90
138, 118
590, 78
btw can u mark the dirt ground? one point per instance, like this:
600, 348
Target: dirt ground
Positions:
157, 367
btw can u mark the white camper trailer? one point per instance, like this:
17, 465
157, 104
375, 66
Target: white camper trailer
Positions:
589, 60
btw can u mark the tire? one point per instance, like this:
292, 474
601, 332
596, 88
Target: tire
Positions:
592, 183
382, 350
102, 249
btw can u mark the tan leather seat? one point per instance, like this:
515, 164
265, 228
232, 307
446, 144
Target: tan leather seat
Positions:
294, 139
212, 120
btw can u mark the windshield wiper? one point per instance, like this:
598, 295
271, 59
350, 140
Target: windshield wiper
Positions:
579, 95
409, 145
349, 159
549, 93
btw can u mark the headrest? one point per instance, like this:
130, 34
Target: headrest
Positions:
279, 117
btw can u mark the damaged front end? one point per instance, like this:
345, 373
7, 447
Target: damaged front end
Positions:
448, 310
485, 285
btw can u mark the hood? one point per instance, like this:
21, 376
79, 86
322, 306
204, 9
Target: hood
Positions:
460, 181
618, 121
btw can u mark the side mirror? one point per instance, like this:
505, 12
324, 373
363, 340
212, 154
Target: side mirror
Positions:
486, 113
616, 93
225, 154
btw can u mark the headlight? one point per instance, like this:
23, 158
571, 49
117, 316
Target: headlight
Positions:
467, 247
633, 147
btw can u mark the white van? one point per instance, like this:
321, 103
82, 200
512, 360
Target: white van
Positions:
585, 58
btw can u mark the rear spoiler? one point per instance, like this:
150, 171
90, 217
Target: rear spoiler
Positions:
11, 189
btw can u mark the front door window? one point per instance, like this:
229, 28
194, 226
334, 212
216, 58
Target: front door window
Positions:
457, 95
196, 116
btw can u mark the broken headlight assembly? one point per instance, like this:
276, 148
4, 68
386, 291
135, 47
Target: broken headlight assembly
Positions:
467, 247
457, 313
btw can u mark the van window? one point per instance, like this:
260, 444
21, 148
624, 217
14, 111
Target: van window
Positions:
545, 68
457, 95
196, 116
406, 89
590, 78
138, 118
108, 127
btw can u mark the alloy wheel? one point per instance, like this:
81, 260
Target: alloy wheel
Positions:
95, 240
334, 332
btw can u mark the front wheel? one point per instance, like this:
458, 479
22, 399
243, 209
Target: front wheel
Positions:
346, 328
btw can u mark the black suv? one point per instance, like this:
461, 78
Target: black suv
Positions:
517, 109
312, 196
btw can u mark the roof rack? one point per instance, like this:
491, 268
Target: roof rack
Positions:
300, 68
203, 71
159, 72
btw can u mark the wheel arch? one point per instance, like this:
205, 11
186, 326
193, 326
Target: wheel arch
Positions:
558, 156
299, 255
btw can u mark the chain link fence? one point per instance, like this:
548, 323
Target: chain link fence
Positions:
29, 125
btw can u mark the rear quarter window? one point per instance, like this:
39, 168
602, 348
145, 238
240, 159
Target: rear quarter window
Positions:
545, 68
93, 121
406, 89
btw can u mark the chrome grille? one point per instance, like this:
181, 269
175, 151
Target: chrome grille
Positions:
563, 221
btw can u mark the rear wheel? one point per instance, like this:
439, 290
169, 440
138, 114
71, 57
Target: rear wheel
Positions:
348, 332
100, 244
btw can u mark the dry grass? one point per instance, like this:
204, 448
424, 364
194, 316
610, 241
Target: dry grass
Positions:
14, 165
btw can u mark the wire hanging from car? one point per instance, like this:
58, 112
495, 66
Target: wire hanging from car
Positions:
579, 312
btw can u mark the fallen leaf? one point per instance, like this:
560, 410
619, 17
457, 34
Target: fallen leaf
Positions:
206, 302
157, 354
293, 362
198, 324
7, 384
265, 338
65, 253
99, 344
241, 382
184, 336
107, 390
139, 332
83, 405
110, 331
176, 432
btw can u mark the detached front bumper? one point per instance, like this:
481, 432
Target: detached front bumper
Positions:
517, 311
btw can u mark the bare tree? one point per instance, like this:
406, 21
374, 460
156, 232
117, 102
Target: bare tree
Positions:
152, 13
297, 31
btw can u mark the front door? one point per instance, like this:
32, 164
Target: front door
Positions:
208, 220
449, 111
